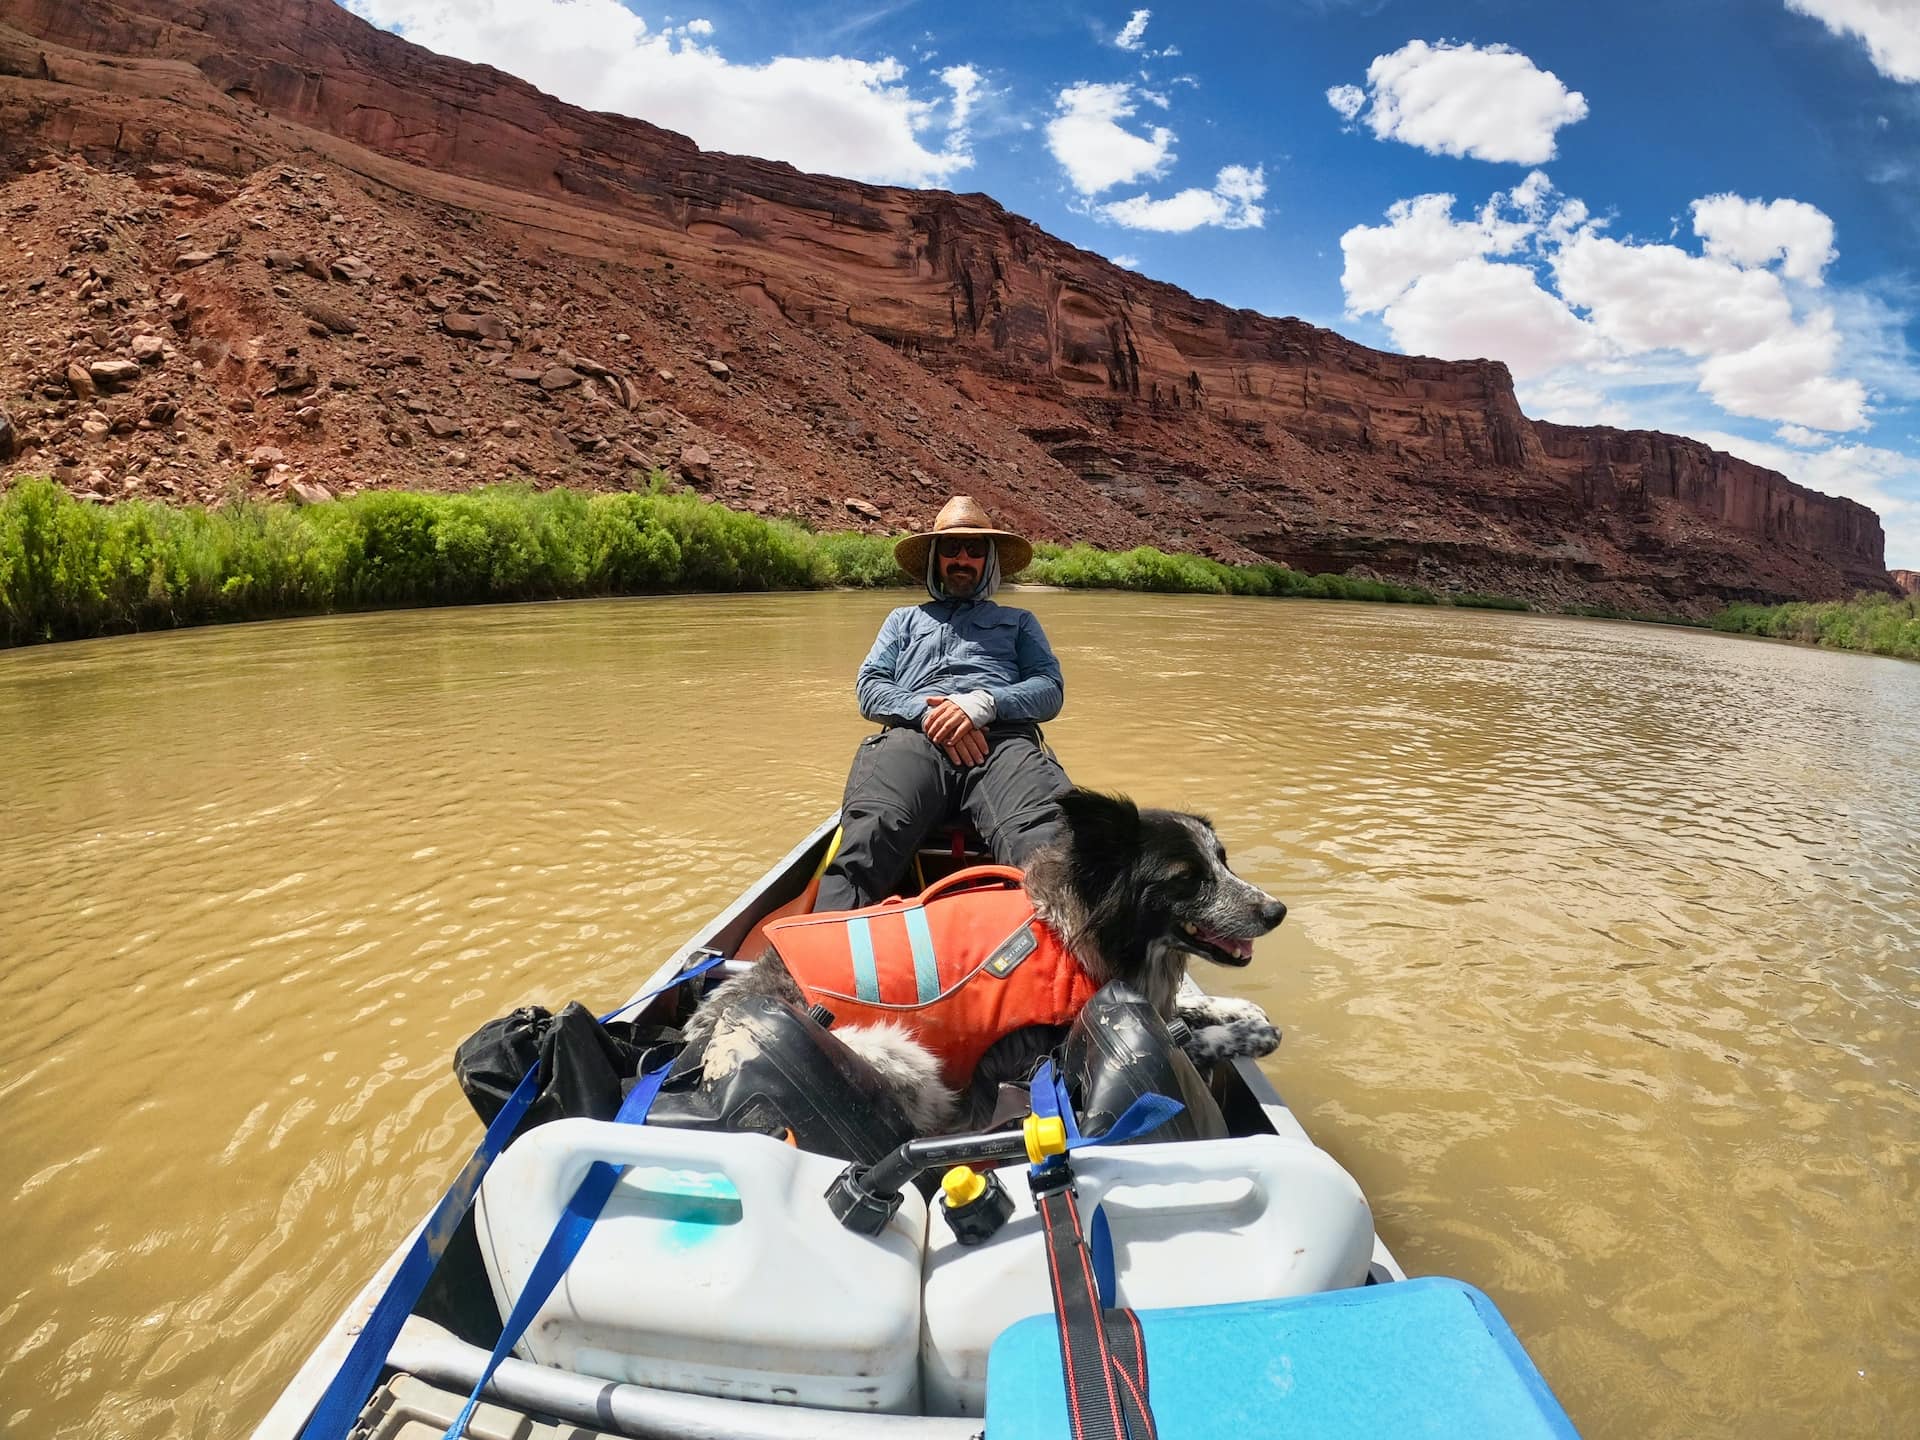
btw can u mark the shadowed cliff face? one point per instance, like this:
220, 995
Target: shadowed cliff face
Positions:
878, 345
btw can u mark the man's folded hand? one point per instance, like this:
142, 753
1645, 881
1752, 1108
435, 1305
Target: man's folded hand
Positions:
950, 727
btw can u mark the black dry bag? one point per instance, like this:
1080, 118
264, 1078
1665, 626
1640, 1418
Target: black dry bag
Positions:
772, 1068
1118, 1050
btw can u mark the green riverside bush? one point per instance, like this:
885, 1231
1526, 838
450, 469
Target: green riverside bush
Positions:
70, 569
1878, 624
1081, 567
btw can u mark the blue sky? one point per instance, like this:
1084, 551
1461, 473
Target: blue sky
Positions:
1701, 217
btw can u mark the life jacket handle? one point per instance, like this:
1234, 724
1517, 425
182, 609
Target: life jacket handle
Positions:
975, 875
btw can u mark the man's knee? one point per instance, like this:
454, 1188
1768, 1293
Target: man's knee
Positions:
894, 797
1021, 834
1015, 801
896, 770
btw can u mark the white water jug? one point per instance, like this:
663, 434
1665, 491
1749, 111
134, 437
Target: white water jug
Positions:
716, 1268
1197, 1222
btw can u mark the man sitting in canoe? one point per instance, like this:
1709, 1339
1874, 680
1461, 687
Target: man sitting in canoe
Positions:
961, 685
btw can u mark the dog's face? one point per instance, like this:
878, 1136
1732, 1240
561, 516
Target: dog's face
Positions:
1191, 900
1151, 887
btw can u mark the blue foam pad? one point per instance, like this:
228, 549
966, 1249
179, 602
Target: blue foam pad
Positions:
1428, 1358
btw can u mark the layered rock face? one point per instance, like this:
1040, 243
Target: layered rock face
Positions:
821, 341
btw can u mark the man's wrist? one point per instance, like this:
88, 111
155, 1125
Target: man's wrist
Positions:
977, 705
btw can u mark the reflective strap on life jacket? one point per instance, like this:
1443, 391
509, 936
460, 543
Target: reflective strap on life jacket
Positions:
926, 967
866, 966
866, 970
960, 966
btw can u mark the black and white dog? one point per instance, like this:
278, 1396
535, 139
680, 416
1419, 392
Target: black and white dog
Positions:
1130, 893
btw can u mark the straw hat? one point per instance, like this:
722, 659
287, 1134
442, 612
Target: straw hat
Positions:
962, 515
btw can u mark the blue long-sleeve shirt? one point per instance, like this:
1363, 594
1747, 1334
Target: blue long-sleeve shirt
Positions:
951, 647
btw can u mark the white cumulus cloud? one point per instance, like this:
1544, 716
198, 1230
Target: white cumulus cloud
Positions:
1479, 309
1583, 319
1789, 376
1349, 100
1650, 297
858, 118
1129, 36
1889, 28
1094, 147
964, 82
1232, 204
1488, 102
1420, 237
1565, 400
1756, 358
1755, 232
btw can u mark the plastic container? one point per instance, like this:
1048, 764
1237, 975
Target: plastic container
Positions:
1194, 1223
1429, 1357
715, 1268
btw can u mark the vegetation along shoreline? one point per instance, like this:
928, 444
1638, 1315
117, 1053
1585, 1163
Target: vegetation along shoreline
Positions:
71, 570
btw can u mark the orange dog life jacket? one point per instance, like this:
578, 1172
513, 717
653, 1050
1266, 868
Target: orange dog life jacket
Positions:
959, 967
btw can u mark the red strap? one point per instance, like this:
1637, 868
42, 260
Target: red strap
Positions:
1105, 1371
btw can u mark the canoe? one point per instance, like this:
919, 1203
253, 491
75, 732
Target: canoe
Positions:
1210, 1318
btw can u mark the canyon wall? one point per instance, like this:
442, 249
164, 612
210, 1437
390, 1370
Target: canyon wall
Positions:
900, 342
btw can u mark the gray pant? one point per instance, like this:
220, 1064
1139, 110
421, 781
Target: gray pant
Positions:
902, 786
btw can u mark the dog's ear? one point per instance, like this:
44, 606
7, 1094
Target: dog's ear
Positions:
1099, 826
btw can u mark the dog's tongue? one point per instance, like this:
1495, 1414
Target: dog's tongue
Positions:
1232, 944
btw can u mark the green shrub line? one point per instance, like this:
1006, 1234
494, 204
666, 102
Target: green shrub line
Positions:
1081, 567
1874, 623
70, 569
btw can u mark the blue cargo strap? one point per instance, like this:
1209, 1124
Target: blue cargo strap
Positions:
346, 1394
569, 1234
1048, 1095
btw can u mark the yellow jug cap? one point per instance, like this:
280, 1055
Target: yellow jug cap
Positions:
1046, 1135
962, 1185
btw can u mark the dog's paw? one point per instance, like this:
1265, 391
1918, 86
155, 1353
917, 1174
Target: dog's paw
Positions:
1225, 1028
1219, 1010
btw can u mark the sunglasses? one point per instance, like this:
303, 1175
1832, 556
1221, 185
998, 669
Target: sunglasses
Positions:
976, 548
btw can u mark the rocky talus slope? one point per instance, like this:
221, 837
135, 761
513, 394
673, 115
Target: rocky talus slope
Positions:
265, 245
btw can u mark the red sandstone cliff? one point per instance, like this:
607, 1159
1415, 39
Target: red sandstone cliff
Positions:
534, 288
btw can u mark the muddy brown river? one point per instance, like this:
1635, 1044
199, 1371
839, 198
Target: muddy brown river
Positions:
1602, 974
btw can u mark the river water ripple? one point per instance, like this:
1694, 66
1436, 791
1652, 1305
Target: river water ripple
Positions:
1601, 976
